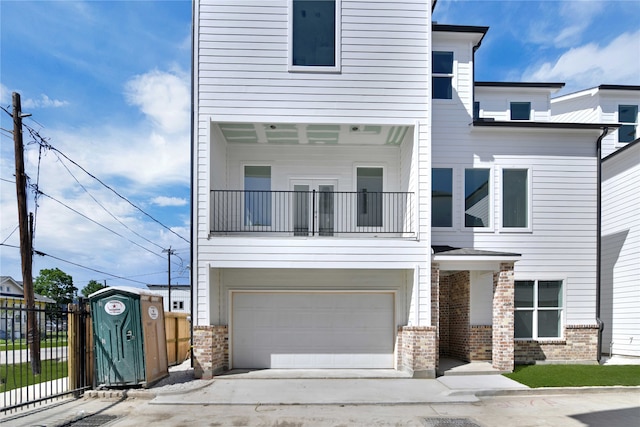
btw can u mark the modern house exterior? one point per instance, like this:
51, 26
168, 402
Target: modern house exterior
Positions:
620, 218
360, 202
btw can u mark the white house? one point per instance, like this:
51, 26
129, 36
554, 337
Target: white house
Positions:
620, 224
13, 313
180, 300
319, 130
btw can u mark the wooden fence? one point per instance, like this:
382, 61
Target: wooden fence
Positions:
178, 333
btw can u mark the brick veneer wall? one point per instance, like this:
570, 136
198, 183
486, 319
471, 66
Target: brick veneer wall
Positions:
443, 324
459, 311
480, 345
210, 350
417, 350
435, 306
503, 318
580, 344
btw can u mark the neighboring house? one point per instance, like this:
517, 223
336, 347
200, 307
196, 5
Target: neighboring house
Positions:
620, 225
13, 316
180, 297
345, 219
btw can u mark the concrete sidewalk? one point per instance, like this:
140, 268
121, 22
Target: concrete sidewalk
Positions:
337, 391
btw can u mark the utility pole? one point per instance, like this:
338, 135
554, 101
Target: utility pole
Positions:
26, 250
169, 253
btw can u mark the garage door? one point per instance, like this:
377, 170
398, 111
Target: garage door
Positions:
312, 330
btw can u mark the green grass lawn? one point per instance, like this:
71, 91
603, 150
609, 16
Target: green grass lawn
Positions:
19, 375
60, 341
576, 375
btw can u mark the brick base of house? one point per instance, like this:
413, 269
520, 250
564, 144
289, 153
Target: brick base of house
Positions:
417, 350
480, 343
580, 345
210, 350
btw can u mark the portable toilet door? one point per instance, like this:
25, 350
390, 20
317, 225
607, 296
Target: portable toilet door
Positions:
118, 338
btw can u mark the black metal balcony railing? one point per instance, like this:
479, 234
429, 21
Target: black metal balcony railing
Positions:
312, 213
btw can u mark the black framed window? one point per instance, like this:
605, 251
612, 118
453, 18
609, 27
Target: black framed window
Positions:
442, 79
314, 33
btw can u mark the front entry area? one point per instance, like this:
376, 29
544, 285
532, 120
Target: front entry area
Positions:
312, 329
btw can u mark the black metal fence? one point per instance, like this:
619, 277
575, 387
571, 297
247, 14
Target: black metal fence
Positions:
35, 363
313, 213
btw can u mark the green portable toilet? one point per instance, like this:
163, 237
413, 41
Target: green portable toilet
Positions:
129, 337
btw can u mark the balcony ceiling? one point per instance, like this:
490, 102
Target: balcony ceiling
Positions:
312, 134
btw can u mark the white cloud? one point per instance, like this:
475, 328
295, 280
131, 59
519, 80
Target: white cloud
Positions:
43, 102
592, 65
164, 97
5, 95
169, 201
563, 24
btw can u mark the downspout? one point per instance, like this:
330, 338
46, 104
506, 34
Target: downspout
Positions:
605, 131
473, 83
192, 274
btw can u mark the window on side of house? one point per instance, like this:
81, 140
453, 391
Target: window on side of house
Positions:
442, 197
538, 309
477, 198
314, 35
515, 198
628, 116
257, 195
476, 110
370, 197
520, 110
177, 305
442, 78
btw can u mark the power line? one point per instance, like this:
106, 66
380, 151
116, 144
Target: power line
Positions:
97, 223
104, 208
42, 141
80, 265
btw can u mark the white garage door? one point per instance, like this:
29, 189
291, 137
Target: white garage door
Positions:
312, 330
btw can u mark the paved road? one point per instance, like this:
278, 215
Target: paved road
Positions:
610, 409
22, 356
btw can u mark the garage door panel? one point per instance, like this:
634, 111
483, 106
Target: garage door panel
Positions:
313, 330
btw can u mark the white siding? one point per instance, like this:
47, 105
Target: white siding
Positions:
313, 162
621, 252
495, 102
562, 240
595, 106
241, 76
242, 67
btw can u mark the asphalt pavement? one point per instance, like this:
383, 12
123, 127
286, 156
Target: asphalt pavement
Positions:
244, 400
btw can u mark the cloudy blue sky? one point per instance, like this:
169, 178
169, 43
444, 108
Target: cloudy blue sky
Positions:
107, 83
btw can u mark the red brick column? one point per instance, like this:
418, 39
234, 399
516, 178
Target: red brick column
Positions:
417, 350
210, 350
503, 318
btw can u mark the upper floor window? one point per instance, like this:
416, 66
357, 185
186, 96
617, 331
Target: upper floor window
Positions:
476, 110
477, 198
257, 195
520, 111
515, 198
369, 182
538, 309
441, 197
314, 35
628, 116
442, 79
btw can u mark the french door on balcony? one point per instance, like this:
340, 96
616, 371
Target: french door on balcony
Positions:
313, 207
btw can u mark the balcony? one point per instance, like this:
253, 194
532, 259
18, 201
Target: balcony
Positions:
314, 213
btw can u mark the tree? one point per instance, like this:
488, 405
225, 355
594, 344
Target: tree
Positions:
55, 284
91, 287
